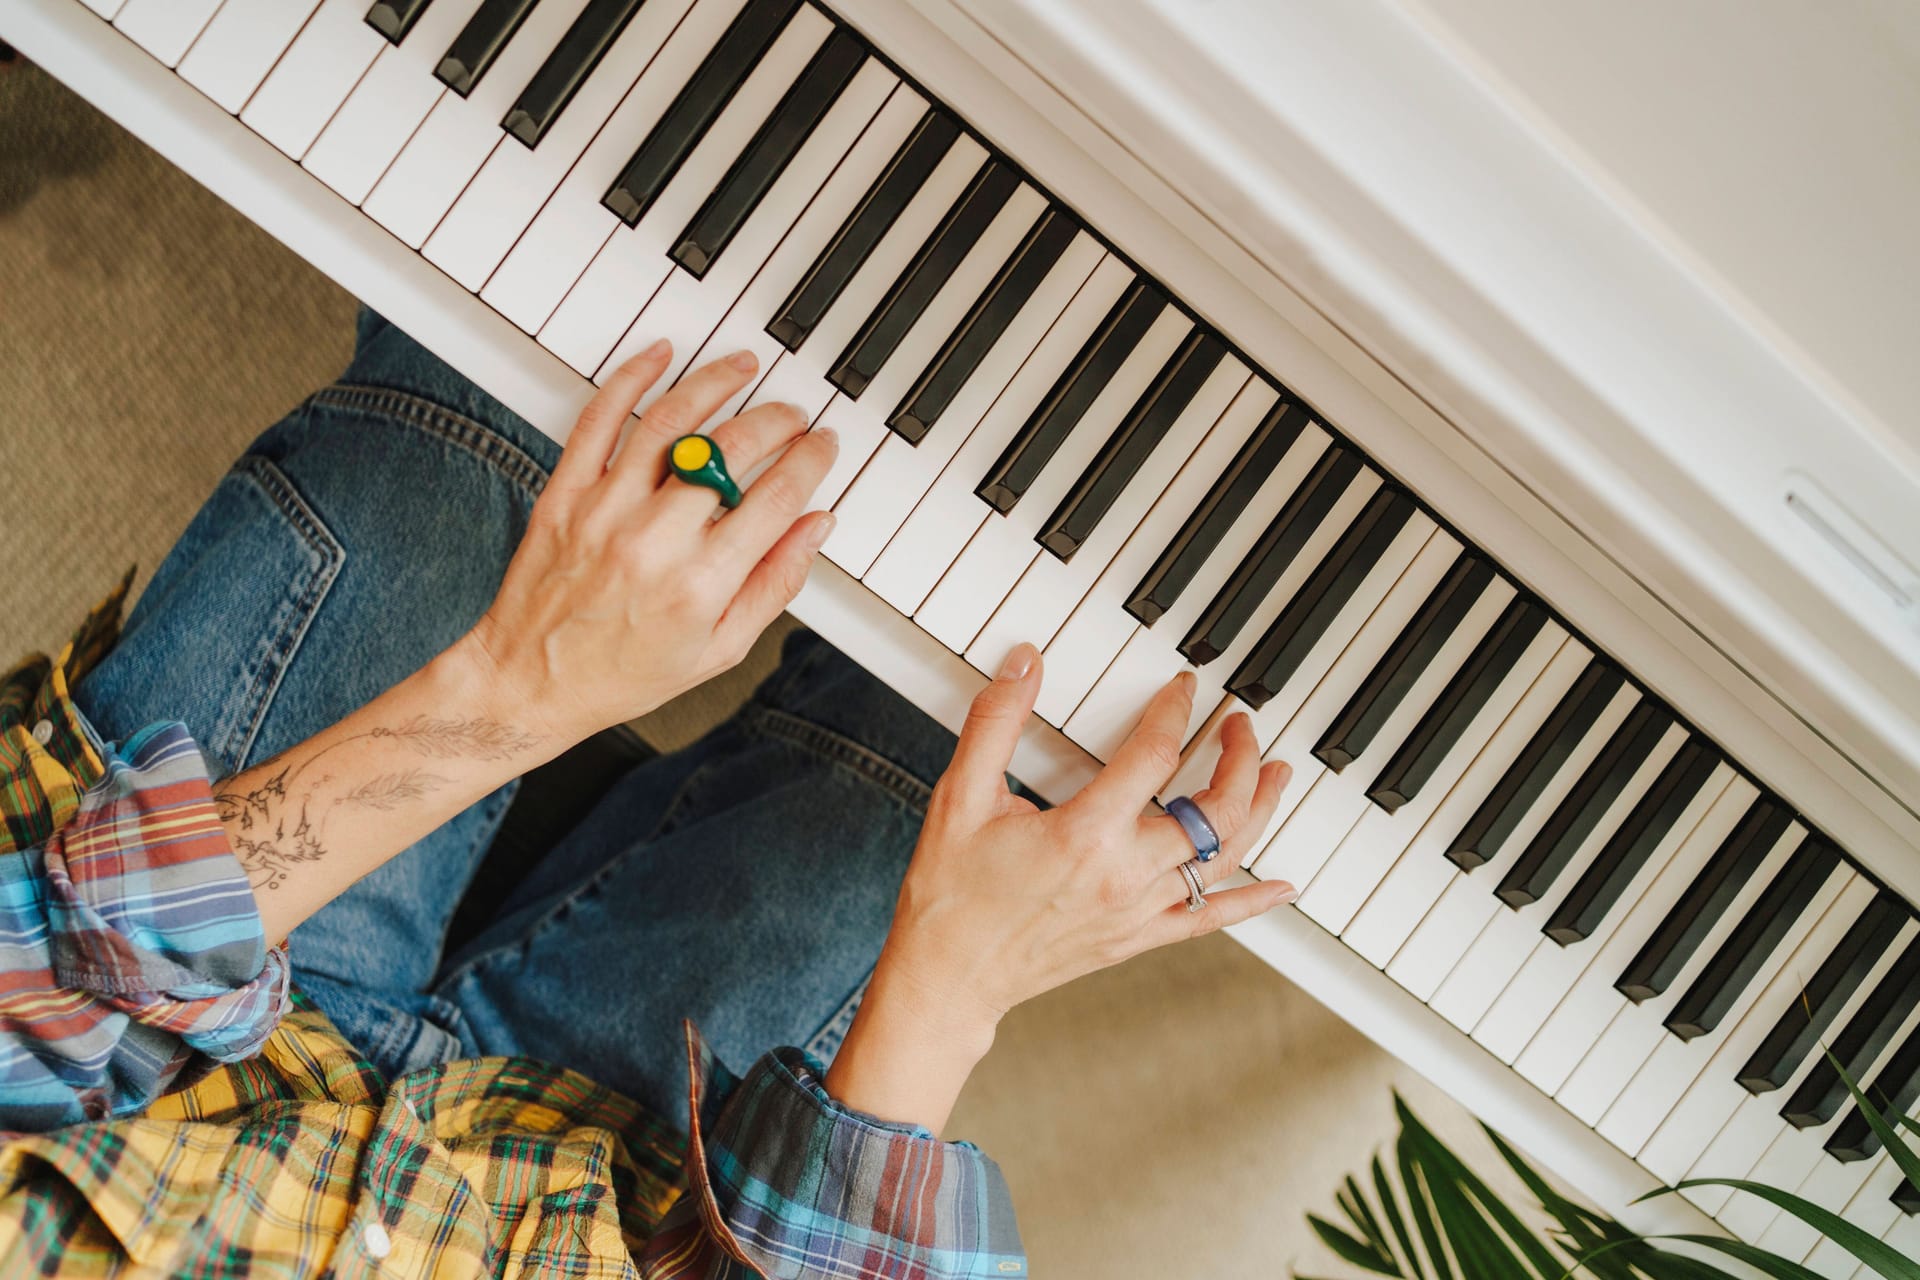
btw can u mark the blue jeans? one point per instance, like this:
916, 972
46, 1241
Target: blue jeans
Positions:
745, 882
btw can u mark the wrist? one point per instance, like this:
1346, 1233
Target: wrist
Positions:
909, 1052
478, 663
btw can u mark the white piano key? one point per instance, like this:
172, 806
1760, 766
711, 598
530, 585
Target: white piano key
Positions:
314, 76
1003, 546
516, 180
861, 423
165, 28
1362, 860
592, 330
1674, 1065
1551, 970
1151, 655
1511, 936
1415, 562
1636, 1030
800, 377
105, 8
459, 133
560, 242
1830, 1185
387, 104
883, 496
239, 47
1039, 604
933, 537
1795, 1154
1585, 1011
1455, 920
1871, 1210
1715, 1095
1756, 1122
1330, 809
1087, 643
1423, 871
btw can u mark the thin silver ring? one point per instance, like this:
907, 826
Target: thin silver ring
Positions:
1196, 892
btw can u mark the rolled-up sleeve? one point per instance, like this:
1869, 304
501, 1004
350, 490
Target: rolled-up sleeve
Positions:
132, 956
784, 1182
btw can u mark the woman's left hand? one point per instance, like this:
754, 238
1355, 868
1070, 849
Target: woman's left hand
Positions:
625, 590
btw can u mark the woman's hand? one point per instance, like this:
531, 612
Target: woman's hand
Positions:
625, 591
1003, 902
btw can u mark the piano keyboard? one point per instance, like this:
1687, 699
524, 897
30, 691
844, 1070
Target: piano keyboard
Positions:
1041, 442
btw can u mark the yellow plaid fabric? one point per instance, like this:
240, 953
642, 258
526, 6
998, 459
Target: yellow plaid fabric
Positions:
302, 1161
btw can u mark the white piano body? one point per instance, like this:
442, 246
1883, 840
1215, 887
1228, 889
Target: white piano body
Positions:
1366, 202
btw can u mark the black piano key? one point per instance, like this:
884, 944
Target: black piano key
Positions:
1256, 573
1893, 1092
758, 167
699, 103
1627, 849
1486, 832
1353, 730
1465, 695
989, 317
1574, 818
1046, 429
1906, 1197
1272, 662
1842, 974
394, 18
1257, 459
869, 349
567, 68
1687, 925
480, 42
1867, 1034
905, 174
1767, 921
1132, 442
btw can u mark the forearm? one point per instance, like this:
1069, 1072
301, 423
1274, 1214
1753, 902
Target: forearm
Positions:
310, 821
908, 1053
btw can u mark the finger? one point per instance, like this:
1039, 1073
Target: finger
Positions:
1253, 834
1225, 802
992, 730
598, 428
771, 585
1150, 754
744, 442
681, 411
777, 498
1228, 906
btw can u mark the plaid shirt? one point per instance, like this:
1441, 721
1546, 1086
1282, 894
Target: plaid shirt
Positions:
131, 962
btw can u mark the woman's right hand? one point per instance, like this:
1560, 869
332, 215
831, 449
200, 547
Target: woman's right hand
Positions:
1004, 901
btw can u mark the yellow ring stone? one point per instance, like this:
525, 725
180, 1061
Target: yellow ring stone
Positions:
690, 453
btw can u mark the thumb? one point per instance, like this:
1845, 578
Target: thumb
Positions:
992, 731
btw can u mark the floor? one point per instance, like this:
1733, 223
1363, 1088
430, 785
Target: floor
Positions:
1176, 1116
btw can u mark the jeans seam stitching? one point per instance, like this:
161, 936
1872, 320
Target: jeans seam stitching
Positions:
513, 463
279, 647
844, 751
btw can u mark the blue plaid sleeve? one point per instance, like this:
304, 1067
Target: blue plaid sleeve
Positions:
784, 1182
131, 951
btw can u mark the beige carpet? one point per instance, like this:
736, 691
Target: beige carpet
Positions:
1176, 1116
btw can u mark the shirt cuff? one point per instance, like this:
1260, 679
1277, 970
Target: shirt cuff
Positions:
150, 913
785, 1182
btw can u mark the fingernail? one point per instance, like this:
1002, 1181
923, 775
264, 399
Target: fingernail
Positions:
744, 361
658, 350
1188, 681
831, 436
819, 531
1284, 893
1018, 663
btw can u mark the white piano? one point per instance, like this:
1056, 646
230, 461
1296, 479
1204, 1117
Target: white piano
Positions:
1296, 343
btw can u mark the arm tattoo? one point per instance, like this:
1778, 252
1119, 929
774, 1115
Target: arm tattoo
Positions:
279, 823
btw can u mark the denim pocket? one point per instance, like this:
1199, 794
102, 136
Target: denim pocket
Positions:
214, 632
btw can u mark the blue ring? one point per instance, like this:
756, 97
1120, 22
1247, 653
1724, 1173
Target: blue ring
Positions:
1206, 841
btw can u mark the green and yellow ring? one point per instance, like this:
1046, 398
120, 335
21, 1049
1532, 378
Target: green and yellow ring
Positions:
697, 460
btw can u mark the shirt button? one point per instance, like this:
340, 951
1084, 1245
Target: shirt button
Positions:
378, 1243
43, 732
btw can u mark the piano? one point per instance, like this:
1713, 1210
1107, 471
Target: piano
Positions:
1273, 343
